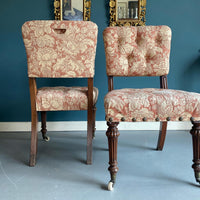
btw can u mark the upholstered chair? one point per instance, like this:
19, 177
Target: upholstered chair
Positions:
145, 51
60, 49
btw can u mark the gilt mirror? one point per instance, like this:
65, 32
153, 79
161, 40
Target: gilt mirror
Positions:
73, 10
127, 12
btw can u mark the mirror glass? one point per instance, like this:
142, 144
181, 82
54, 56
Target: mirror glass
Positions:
73, 10
127, 9
127, 12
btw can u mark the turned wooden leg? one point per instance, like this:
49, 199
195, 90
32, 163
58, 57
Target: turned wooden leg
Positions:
162, 135
112, 134
195, 131
34, 136
43, 125
94, 121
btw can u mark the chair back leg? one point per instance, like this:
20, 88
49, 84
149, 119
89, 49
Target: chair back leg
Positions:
162, 135
43, 124
163, 125
94, 121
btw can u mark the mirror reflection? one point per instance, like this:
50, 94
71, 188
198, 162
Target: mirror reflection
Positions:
127, 9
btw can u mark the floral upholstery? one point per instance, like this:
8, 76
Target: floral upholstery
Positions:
151, 105
63, 98
60, 48
137, 51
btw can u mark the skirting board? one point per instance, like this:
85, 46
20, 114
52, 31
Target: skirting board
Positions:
100, 126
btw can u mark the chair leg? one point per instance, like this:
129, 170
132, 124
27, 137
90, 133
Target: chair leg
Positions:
162, 135
195, 131
43, 125
89, 136
34, 136
94, 122
112, 134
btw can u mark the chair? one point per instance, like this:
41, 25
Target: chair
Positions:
145, 51
60, 49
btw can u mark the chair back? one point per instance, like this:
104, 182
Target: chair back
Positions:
57, 49
137, 51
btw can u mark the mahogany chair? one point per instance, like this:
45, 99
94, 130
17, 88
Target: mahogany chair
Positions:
145, 51
60, 49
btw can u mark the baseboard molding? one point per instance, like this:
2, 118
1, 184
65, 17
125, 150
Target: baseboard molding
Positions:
82, 126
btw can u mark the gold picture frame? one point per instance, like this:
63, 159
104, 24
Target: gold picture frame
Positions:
129, 17
64, 10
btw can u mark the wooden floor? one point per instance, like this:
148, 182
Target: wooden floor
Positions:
61, 172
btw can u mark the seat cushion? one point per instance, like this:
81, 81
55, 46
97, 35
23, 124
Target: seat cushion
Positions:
63, 98
151, 104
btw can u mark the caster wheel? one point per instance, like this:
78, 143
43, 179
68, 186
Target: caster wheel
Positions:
46, 138
110, 186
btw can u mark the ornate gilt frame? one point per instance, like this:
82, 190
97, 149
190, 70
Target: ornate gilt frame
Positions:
127, 22
86, 10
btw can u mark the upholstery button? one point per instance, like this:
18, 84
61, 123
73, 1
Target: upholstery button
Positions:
110, 119
123, 119
134, 120
144, 119
192, 119
180, 118
157, 119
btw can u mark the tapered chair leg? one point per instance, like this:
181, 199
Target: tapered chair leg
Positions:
34, 136
43, 125
90, 119
195, 131
112, 134
89, 137
162, 135
94, 122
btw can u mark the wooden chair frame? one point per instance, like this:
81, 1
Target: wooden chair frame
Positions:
91, 112
113, 134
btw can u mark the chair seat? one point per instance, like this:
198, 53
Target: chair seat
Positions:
63, 98
151, 105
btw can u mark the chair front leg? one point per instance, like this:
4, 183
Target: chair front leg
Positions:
195, 131
89, 136
34, 121
34, 137
112, 134
90, 121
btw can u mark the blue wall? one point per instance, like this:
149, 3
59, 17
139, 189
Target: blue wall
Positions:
182, 16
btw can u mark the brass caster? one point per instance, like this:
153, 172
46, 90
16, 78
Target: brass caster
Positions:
110, 186
46, 138
197, 176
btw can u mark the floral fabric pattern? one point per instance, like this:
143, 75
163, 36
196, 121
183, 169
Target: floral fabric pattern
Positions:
151, 104
63, 98
137, 51
60, 48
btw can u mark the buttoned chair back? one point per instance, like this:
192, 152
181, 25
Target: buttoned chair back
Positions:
137, 51
144, 51
61, 49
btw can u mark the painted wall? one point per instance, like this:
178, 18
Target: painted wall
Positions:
182, 16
